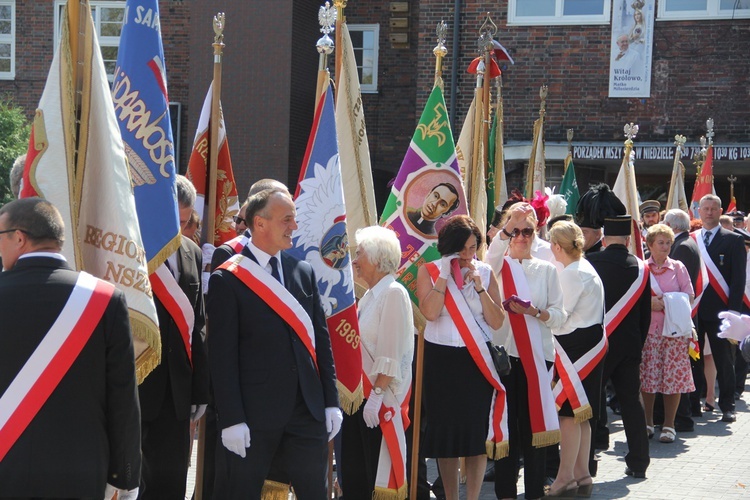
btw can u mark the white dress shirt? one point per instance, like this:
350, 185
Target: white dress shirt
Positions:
583, 297
264, 259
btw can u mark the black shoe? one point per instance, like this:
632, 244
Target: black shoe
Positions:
728, 416
684, 427
695, 411
635, 474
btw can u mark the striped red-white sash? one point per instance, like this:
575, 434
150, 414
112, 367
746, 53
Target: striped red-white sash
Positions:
545, 426
622, 307
174, 300
702, 281
569, 387
715, 279
238, 243
473, 337
276, 297
52, 358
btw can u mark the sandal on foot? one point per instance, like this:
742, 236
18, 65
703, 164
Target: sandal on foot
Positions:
650, 431
567, 491
707, 408
585, 490
668, 435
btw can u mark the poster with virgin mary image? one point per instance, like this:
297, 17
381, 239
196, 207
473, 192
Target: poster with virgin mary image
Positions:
631, 49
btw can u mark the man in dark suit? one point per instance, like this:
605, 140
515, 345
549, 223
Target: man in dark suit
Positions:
618, 270
272, 382
176, 391
726, 251
87, 432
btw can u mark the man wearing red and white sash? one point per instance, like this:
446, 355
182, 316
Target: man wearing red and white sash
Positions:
271, 364
69, 417
619, 271
723, 254
175, 392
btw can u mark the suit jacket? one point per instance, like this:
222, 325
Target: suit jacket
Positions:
189, 385
727, 251
88, 432
618, 269
257, 361
685, 249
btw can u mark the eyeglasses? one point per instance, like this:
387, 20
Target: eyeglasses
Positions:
239, 220
13, 230
526, 232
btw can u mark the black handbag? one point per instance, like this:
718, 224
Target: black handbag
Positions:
500, 359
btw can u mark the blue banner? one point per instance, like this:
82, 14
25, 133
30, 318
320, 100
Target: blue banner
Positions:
141, 104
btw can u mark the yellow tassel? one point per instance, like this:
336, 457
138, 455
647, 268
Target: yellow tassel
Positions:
583, 413
546, 438
390, 494
496, 451
273, 490
350, 401
145, 364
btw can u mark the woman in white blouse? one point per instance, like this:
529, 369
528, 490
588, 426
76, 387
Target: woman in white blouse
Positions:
458, 391
527, 336
386, 336
582, 338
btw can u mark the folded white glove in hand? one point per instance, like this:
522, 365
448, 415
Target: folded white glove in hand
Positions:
445, 265
208, 253
196, 412
110, 491
334, 417
734, 326
236, 438
372, 410
205, 276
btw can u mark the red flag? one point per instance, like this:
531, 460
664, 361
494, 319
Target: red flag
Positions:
704, 182
226, 189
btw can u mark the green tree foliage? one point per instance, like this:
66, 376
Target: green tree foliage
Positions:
14, 141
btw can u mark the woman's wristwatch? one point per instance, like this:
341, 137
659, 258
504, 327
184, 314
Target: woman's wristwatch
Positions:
538, 313
377, 390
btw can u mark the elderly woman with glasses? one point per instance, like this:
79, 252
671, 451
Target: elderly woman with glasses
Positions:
460, 299
386, 335
533, 298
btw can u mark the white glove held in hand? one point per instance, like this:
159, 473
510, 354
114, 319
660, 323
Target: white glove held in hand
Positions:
205, 275
208, 253
196, 412
121, 494
236, 438
334, 417
445, 265
372, 410
734, 326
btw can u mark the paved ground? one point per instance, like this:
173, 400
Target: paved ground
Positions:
711, 463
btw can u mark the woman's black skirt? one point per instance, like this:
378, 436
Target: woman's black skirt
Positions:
576, 344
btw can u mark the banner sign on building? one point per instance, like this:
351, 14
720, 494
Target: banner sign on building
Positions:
632, 45
614, 152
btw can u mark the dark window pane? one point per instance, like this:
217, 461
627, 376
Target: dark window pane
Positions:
5, 65
358, 57
356, 38
5, 50
5, 27
5, 11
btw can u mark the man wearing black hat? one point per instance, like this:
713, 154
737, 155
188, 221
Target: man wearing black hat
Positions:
625, 277
596, 204
649, 213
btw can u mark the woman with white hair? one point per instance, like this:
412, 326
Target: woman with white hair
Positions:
386, 336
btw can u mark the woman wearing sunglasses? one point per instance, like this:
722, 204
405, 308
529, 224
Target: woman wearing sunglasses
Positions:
531, 294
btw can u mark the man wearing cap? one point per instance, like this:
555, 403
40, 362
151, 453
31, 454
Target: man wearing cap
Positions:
626, 322
649, 214
738, 219
596, 204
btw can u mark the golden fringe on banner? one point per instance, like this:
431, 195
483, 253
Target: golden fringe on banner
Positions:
390, 494
582, 414
273, 490
170, 248
496, 451
350, 401
546, 438
150, 357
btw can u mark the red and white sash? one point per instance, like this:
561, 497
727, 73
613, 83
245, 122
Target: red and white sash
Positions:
569, 386
715, 279
497, 436
545, 426
52, 358
238, 243
174, 300
390, 479
622, 307
276, 297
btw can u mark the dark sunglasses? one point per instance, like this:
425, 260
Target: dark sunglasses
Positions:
526, 232
239, 220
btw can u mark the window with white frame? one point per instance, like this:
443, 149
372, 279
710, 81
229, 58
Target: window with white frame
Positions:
702, 9
7, 39
108, 18
551, 12
365, 41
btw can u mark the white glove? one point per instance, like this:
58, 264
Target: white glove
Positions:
734, 326
445, 265
208, 253
196, 412
372, 410
236, 438
334, 417
110, 490
205, 275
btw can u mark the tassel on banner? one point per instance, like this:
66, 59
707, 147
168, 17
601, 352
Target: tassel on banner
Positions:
546, 438
496, 451
350, 401
273, 490
390, 494
583, 413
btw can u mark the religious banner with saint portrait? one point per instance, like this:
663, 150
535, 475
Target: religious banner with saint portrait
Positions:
427, 191
631, 50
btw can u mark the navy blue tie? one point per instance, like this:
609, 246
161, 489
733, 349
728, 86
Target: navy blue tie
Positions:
275, 268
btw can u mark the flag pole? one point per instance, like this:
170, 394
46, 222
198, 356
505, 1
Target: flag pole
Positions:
440, 51
571, 133
218, 45
631, 130
326, 18
340, 19
487, 31
538, 129
679, 142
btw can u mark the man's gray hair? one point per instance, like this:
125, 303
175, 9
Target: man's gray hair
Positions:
710, 197
678, 220
16, 175
186, 192
381, 246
